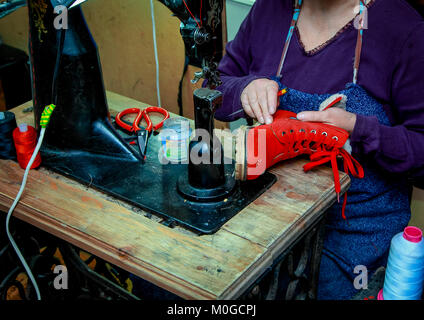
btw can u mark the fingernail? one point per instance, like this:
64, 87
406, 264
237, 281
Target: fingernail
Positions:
272, 110
301, 116
268, 120
261, 119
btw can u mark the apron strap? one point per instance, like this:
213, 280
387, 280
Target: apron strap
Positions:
289, 35
358, 48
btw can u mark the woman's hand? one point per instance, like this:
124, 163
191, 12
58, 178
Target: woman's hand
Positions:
334, 116
259, 99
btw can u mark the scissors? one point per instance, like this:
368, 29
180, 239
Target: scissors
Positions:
143, 134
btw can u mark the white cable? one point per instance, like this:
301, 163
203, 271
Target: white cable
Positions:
12, 208
156, 51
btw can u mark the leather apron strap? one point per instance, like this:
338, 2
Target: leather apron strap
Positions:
358, 49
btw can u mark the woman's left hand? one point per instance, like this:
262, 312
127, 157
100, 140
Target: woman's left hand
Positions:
333, 116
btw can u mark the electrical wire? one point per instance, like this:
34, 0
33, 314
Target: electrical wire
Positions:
200, 13
192, 15
45, 118
12, 208
59, 45
155, 46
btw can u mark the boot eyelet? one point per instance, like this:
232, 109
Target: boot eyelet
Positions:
291, 131
335, 138
314, 131
302, 130
325, 134
283, 133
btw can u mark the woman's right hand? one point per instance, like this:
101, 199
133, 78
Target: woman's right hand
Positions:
259, 99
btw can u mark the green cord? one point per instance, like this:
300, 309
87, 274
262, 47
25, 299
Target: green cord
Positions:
45, 116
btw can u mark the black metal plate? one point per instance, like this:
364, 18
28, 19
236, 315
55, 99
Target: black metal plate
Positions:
153, 186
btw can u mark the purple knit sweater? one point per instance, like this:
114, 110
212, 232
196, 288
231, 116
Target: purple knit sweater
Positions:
391, 70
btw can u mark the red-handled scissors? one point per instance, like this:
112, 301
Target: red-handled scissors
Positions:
142, 133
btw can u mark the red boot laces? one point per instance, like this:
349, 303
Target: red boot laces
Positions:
350, 166
287, 137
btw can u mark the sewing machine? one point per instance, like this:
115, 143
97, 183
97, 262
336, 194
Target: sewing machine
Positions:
81, 141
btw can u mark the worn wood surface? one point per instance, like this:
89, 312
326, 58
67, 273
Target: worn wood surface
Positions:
218, 266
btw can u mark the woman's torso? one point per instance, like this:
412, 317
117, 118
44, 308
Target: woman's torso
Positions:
378, 204
329, 68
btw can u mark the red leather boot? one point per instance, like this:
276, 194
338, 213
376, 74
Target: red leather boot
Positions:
259, 148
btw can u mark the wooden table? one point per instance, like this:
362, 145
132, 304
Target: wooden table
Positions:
218, 266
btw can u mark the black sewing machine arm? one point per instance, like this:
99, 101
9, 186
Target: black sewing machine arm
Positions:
201, 29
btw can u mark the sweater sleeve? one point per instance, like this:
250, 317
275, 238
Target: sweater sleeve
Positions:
399, 148
234, 70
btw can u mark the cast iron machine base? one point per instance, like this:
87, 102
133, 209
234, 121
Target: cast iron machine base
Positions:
82, 143
152, 186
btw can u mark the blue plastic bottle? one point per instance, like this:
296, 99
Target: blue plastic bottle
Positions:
404, 278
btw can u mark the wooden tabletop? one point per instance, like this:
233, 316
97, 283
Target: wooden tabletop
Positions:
217, 266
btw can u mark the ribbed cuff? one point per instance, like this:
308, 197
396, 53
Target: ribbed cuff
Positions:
364, 137
278, 80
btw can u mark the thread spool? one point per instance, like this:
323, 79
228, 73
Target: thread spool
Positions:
404, 278
25, 138
7, 146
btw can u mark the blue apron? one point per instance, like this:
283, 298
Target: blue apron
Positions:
378, 205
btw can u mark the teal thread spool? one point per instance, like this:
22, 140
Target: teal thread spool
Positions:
175, 138
404, 278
